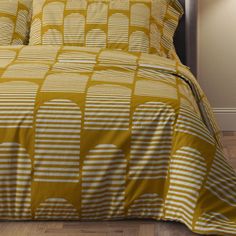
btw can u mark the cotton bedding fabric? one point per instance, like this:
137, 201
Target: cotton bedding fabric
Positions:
131, 25
99, 134
15, 18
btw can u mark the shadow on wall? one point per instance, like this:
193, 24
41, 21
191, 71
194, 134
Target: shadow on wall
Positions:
211, 5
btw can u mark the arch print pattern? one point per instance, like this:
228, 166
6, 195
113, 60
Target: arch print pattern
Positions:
134, 25
103, 187
14, 21
55, 209
57, 146
99, 134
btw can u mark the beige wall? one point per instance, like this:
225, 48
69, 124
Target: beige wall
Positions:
217, 52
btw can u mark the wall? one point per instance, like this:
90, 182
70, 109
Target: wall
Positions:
217, 57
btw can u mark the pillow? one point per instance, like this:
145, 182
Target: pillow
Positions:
174, 13
14, 21
130, 25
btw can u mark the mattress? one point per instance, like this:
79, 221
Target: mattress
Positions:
101, 134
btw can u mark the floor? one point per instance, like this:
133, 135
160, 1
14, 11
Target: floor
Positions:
229, 142
122, 228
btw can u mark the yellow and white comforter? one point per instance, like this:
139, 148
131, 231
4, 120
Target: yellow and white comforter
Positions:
96, 134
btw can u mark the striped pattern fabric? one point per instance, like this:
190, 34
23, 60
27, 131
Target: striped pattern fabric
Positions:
151, 146
211, 221
20, 99
15, 17
107, 111
15, 176
147, 205
100, 134
221, 179
57, 147
103, 187
56, 209
187, 172
133, 25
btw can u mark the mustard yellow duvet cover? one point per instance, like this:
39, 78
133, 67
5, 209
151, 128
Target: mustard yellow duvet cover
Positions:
98, 134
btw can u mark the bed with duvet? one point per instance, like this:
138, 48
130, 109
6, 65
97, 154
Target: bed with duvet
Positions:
109, 131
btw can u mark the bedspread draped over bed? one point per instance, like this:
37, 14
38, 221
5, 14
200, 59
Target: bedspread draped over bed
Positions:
102, 134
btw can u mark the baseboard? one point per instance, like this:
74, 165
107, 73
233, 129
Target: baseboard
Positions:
226, 118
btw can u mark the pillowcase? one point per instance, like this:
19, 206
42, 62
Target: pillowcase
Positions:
14, 21
173, 15
131, 25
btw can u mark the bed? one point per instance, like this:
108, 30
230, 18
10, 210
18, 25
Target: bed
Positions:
91, 133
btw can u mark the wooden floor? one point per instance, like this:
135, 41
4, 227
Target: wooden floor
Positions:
122, 228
